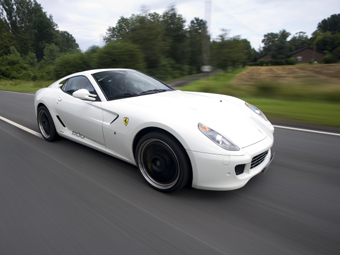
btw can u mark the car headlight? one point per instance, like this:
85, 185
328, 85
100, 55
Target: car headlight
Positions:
218, 138
257, 111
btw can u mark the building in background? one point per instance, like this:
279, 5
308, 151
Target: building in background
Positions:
303, 55
307, 55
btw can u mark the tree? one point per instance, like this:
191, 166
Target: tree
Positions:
26, 26
144, 30
175, 35
71, 63
18, 17
231, 52
163, 39
276, 45
325, 42
195, 42
31, 60
268, 42
43, 31
330, 24
12, 66
6, 38
66, 42
299, 40
51, 53
120, 54
123, 28
327, 37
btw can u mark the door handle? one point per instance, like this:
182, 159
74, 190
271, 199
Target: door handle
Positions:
59, 99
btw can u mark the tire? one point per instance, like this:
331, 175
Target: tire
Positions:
163, 162
46, 124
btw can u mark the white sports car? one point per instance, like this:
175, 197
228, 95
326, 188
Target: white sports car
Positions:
175, 138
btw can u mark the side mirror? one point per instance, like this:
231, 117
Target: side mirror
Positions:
84, 94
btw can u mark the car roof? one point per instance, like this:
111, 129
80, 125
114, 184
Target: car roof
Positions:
97, 71
86, 73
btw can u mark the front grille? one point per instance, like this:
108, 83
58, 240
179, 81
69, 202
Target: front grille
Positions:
258, 159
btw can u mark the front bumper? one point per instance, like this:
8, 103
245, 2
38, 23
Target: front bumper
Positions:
217, 172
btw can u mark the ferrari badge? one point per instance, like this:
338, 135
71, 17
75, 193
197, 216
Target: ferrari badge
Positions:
126, 121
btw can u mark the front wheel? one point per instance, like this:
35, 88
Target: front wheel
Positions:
163, 162
46, 124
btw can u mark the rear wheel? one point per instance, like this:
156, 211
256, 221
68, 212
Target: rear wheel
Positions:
46, 124
162, 162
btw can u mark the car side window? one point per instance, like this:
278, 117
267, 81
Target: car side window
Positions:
76, 83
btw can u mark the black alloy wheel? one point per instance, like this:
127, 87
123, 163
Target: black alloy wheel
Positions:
163, 162
46, 124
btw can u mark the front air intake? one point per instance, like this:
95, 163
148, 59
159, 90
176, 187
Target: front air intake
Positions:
257, 160
239, 169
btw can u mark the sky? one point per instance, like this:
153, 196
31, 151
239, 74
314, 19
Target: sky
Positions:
88, 20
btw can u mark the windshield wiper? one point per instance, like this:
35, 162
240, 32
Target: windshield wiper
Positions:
153, 91
124, 95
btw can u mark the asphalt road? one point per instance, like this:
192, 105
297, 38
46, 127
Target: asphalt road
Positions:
64, 198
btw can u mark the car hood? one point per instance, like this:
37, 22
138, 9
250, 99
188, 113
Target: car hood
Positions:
226, 115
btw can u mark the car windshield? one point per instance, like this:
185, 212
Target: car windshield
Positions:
117, 84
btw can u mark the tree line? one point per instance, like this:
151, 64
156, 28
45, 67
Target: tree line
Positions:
29, 39
326, 38
162, 45
32, 47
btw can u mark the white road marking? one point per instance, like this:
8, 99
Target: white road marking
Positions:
21, 127
307, 130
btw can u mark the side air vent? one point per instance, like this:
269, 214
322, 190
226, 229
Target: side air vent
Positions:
114, 120
61, 122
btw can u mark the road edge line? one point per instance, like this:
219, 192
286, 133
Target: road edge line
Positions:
21, 127
307, 130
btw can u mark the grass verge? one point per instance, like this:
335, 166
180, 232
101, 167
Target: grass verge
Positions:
313, 113
301, 102
23, 86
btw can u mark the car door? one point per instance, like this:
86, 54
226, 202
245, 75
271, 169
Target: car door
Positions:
82, 118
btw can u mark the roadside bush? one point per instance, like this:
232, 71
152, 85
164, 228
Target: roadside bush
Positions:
277, 62
120, 55
266, 88
164, 71
70, 63
26, 75
263, 62
329, 59
273, 62
336, 53
12, 66
291, 61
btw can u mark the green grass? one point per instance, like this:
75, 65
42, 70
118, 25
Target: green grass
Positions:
184, 77
215, 84
301, 103
313, 113
23, 86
